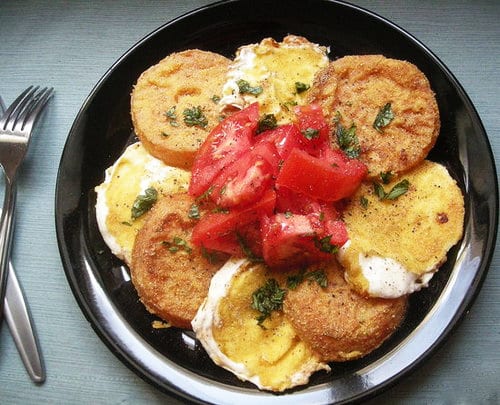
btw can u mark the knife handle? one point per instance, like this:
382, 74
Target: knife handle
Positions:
22, 329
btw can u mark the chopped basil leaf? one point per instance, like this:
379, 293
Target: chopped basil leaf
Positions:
287, 104
398, 190
220, 210
268, 298
364, 202
384, 118
215, 98
386, 177
301, 87
379, 191
245, 88
194, 212
325, 245
268, 121
195, 117
144, 202
293, 281
347, 139
172, 117
177, 244
318, 276
288, 214
310, 133
211, 256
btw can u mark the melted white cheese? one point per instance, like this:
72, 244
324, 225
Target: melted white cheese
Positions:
387, 278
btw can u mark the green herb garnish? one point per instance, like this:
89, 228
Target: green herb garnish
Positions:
347, 138
215, 98
364, 202
172, 116
245, 88
177, 244
398, 190
386, 177
268, 298
194, 212
144, 202
324, 244
318, 276
195, 117
310, 133
301, 87
384, 118
268, 121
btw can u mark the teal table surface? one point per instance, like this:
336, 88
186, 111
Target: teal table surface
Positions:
69, 45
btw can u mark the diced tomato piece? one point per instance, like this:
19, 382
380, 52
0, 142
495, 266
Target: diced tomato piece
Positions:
285, 138
296, 203
313, 127
223, 146
214, 230
246, 180
290, 240
337, 231
320, 179
250, 239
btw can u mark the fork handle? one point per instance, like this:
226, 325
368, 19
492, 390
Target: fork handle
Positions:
6, 232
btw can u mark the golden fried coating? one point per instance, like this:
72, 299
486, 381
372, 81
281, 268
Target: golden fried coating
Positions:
171, 276
174, 104
416, 229
337, 323
356, 88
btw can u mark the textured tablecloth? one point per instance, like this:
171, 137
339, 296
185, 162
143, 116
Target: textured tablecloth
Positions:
70, 45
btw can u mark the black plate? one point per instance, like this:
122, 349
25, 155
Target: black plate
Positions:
172, 359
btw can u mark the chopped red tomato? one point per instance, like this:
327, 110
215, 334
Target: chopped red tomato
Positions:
223, 146
295, 203
299, 239
285, 138
319, 178
216, 230
246, 180
313, 127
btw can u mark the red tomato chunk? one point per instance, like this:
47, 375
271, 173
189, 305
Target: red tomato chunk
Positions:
224, 145
321, 178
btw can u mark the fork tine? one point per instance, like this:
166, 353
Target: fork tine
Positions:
31, 114
14, 109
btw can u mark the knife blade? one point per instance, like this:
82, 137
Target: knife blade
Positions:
19, 320
21, 327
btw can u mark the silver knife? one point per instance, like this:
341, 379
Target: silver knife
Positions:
19, 321
22, 329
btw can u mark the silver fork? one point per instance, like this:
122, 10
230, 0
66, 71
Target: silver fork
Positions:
16, 127
19, 321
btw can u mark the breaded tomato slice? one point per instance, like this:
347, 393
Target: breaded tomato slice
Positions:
174, 104
170, 275
388, 103
337, 323
400, 232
